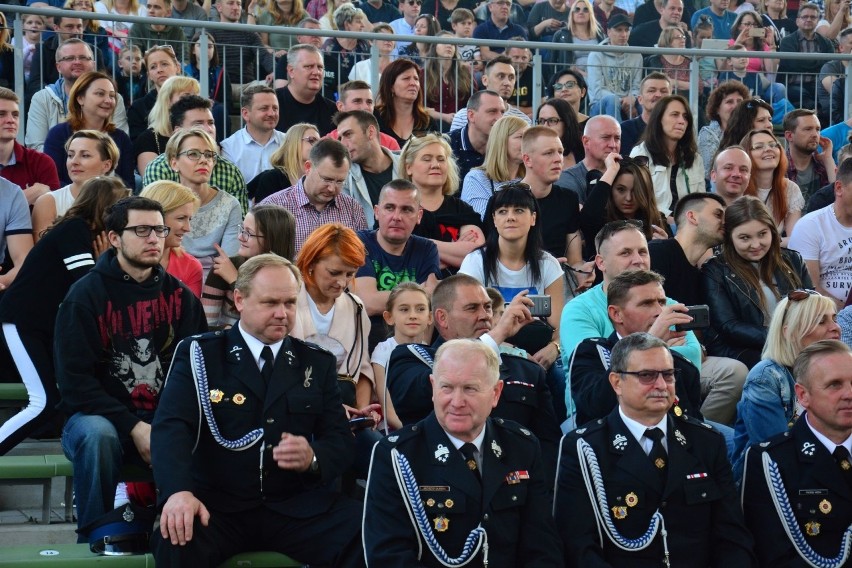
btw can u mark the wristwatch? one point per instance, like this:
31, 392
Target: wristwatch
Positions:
314, 467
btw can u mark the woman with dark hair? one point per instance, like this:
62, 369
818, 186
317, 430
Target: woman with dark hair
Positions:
91, 105
448, 81
743, 285
720, 104
424, 25
513, 259
742, 34
399, 105
266, 228
28, 307
623, 192
768, 181
673, 159
570, 86
750, 114
559, 115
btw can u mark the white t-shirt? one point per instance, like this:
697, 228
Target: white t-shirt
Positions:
819, 236
382, 352
795, 200
511, 282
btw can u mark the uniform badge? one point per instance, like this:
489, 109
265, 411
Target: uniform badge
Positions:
812, 528
495, 447
441, 523
808, 448
239, 398
765, 444
515, 477
845, 465
680, 437
619, 512
430, 502
825, 506
525, 432
580, 430
678, 411
449, 503
619, 442
308, 377
631, 499
235, 351
442, 453
393, 438
660, 463
216, 396
290, 357
128, 515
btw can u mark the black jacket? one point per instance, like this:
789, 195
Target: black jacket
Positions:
736, 317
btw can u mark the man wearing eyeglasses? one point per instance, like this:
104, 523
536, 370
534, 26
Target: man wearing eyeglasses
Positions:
409, 9
117, 329
316, 198
645, 486
497, 26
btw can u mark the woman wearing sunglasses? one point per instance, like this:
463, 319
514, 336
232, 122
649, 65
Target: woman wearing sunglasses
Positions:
624, 192
768, 181
192, 154
266, 228
582, 29
743, 285
768, 405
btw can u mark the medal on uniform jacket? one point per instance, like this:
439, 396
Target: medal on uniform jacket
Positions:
812, 528
825, 506
216, 396
619, 512
441, 523
239, 398
660, 463
631, 499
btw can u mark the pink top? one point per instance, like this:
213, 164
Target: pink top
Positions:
187, 269
755, 64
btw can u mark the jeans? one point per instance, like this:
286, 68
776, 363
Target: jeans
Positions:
91, 443
774, 92
610, 104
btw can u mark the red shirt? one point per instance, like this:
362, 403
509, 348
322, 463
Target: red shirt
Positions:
31, 167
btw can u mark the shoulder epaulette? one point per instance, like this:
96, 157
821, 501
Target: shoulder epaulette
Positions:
422, 353
313, 346
695, 422
512, 427
399, 436
208, 335
589, 427
775, 441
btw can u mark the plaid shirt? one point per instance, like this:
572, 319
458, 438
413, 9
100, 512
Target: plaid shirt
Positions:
226, 176
820, 172
342, 209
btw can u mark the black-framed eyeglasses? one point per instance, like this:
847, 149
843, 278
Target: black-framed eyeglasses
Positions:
243, 232
196, 155
553, 121
144, 231
649, 376
565, 85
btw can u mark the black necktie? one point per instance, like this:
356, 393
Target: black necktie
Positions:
268, 363
469, 452
658, 452
841, 455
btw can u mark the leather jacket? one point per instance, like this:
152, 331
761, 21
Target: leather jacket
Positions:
736, 315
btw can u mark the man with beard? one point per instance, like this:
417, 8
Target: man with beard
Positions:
126, 301
806, 166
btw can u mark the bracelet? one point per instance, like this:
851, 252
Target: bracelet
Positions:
558, 348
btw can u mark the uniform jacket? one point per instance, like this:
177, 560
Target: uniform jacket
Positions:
736, 317
302, 399
698, 501
525, 398
512, 504
818, 494
593, 395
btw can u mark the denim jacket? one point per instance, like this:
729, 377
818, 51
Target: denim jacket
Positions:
767, 408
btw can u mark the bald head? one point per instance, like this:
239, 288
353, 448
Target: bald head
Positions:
731, 172
602, 136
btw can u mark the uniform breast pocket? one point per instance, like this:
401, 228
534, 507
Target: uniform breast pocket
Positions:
812, 504
442, 501
509, 497
698, 491
520, 394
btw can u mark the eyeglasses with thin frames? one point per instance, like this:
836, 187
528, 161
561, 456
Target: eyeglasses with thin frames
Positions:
565, 85
80, 58
248, 235
196, 155
329, 181
145, 231
649, 377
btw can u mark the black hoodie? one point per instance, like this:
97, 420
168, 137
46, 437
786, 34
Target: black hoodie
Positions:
115, 338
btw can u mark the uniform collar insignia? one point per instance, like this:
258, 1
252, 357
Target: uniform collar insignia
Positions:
680, 437
291, 359
235, 351
495, 447
808, 449
442, 453
393, 438
308, 377
619, 442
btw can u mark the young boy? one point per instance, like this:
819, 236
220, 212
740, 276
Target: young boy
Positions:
757, 83
463, 21
132, 82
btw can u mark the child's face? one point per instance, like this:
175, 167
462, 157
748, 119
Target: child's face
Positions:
410, 316
33, 23
497, 313
463, 29
197, 49
130, 63
738, 62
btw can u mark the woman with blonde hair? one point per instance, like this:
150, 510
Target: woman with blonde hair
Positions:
448, 221
161, 64
7, 55
835, 19
504, 163
152, 142
91, 106
288, 162
89, 153
448, 81
284, 13
582, 29
179, 205
676, 67
192, 153
768, 404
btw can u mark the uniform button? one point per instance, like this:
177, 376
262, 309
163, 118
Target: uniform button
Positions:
703, 495
514, 497
485, 517
523, 398
270, 420
663, 504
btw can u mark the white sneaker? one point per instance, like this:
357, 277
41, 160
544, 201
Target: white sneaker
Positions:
120, 495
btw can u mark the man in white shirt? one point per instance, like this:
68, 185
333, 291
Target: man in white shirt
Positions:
251, 147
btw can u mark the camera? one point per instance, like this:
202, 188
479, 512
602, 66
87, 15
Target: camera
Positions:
541, 306
700, 318
756, 32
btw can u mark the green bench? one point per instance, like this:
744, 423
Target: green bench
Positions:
13, 395
79, 556
39, 470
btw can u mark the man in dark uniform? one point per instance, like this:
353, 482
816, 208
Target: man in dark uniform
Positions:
636, 303
462, 310
797, 491
245, 397
644, 487
464, 476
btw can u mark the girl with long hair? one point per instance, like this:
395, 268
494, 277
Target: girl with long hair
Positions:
673, 159
217, 79
504, 163
288, 162
29, 306
570, 86
399, 105
513, 259
835, 19
750, 114
582, 29
424, 25
768, 181
448, 81
741, 33
743, 285
676, 67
